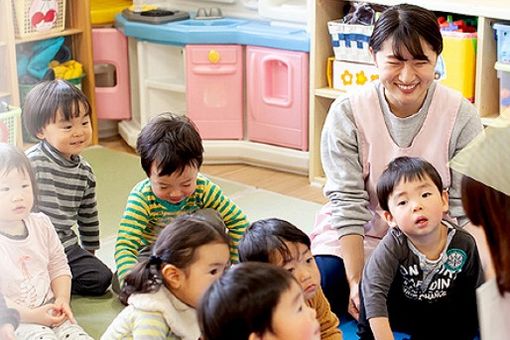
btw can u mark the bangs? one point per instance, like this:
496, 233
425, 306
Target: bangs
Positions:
71, 106
405, 39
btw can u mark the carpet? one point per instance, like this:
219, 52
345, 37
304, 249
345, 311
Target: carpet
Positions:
117, 173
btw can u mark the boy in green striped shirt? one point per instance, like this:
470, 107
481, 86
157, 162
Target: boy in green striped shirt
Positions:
171, 154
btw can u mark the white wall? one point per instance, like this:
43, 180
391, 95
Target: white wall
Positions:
233, 8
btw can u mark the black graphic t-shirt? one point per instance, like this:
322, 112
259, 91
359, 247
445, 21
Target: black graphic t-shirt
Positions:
423, 297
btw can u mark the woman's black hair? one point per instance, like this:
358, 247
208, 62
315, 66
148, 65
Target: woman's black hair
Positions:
176, 244
242, 301
407, 25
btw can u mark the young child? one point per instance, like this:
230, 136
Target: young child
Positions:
171, 151
164, 290
486, 198
255, 301
280, 243
36, 278
9, 320
58, 113
421, 279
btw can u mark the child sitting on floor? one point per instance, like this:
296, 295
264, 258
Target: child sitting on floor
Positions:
421, 279
279, 242
171, 154
163, 291
59, 115
36, 278
255, 301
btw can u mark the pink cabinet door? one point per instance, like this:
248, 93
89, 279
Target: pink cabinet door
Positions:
277, 97
214, 90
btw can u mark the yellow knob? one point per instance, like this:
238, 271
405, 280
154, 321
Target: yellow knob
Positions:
214, 56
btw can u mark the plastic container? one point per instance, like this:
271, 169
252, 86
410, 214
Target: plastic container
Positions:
350, 42
348, 75
504, 88
503, 40
103, 12
459, 57
38, 17
10, 126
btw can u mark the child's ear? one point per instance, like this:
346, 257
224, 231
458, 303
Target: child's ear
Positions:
444, 198
389, 219
40, 135
172, 275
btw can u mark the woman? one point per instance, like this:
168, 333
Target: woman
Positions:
405, 113
486, 199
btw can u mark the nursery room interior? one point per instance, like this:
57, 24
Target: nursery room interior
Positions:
256, 77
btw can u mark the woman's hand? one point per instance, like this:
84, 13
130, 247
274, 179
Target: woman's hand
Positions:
353, 307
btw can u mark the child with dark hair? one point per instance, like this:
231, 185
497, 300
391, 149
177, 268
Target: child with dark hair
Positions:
9, 320
255, 301
425, 270
58, 114
163, 291
36, 279
485, 165
171, 154
281, 243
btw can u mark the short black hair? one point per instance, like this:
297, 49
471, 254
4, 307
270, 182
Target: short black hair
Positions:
262, 238
47, 98
170, 141
407, 169
242, 301
407, 24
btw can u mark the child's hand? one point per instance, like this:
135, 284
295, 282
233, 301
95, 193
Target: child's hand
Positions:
48, 315
7, 332
65, 309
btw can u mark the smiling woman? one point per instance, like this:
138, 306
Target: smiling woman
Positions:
404, 113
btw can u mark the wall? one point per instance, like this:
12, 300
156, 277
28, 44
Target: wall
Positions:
234, 8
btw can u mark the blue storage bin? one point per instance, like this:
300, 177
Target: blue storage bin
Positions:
503, 40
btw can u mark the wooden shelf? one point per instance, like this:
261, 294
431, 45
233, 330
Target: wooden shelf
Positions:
486, 81
328, 92
69, 31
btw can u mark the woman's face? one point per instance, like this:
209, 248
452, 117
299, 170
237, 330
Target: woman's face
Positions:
406, 80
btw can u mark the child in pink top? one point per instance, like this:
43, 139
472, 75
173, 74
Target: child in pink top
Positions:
39, 280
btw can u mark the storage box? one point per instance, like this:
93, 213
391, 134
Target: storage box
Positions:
10, 126
38, 17
503, 40
504, 88
348, 75
459, 57
350, 42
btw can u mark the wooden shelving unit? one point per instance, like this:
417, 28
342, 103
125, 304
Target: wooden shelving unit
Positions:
78, 37
321, 97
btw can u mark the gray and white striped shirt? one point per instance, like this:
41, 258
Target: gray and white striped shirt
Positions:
67, 194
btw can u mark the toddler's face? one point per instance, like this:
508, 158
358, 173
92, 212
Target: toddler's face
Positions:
16, 198
210, 263
417, 208
293, 319
174, 188
302, 266
69, 137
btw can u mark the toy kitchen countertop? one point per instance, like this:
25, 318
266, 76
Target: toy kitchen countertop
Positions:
218, 31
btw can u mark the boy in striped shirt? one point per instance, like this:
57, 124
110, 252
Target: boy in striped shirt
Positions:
171, 154
58, 114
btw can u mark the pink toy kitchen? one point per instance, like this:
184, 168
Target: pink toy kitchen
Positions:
234, 67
